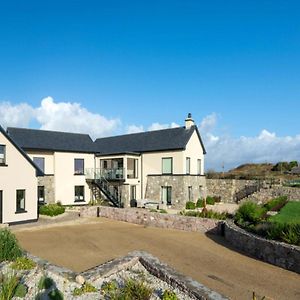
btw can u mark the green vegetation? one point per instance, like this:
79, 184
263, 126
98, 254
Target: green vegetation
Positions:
210, 200
56, 294
249, 213
8, 285
9, 246
200, 203
23, 263
132, 290
205, 214
45, 283
51, 210
289, 214
190, 205
163, 211
285, 232
285, 166
21, 290
169, 295
84, 289
276, 204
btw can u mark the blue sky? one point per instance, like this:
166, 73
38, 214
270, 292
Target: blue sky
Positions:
135, 63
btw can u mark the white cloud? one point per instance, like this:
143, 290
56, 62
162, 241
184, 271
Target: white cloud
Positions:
134, 129
265, 147
158, 126
67, 116
18, 115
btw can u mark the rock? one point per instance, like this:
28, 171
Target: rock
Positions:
80, 279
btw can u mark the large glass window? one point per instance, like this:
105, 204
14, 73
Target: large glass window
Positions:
41, 194
188, 165
2, 154
40, 162
79, 193
166, 195
79, 166
132, 168
199, 166
20, 205
167, 165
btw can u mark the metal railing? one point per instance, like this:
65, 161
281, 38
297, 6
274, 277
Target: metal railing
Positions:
108, 174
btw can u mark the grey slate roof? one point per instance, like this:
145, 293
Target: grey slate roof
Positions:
159, 140
33, 139
39, 172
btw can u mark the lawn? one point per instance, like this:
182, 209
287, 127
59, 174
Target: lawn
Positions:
290, 213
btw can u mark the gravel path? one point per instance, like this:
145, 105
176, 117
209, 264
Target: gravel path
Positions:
207, 259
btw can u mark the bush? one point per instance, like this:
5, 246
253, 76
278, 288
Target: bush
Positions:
169, 295
9, 246
190, 205
200, 203
210, 200
288, 233
249, 213
45, 283
56, 294
23, 263
108, 288
84, 289
8, 285
21, 290
51, 210
276, 204
205, 214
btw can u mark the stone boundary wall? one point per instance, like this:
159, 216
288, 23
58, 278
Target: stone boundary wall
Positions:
155, 219
280, 254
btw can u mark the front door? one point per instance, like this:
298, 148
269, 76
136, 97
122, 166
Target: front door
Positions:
1, 207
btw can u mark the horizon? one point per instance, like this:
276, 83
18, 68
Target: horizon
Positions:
107, 69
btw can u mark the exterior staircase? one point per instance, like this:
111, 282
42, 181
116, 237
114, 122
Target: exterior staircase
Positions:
100, 185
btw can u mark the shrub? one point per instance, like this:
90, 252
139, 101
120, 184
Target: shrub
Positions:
109, 287
8, 285
137, 290
45, 283
210, 200
84, 289
288, 233
20, 291
51, 210
200, 203
205, 214
249, 213
169, 295
9, 246
56, 294
276, 204
163, 211
23, 263
190, 205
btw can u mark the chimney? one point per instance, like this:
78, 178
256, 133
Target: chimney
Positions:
189, 122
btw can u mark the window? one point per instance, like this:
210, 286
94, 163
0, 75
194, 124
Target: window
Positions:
2, 154
188, 165
190, 193
41, 194
78, 166
20, 201
79, 193
132, 168
40, 162
166, 195
199, 167
167, 165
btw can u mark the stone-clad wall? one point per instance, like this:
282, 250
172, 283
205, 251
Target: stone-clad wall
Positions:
277, 253
179, 184
146, 218
48, 182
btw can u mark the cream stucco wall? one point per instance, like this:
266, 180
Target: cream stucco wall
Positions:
49, 159
18, 174
65, 180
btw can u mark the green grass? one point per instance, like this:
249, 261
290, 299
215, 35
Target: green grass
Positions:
289, 214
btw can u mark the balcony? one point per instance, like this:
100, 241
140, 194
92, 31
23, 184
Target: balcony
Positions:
108, 174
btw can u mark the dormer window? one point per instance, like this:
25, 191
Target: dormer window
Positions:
2, 155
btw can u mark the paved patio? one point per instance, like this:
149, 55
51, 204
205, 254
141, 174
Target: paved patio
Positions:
206, 259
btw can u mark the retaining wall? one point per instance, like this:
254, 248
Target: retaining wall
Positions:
155, 219
276, 253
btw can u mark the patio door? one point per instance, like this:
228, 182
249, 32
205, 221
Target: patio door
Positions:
166, 195
1, 207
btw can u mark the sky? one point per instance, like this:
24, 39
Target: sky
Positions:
115, 67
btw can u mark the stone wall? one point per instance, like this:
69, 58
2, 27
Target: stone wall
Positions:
276, 253
48, 182
146, 218
179, 184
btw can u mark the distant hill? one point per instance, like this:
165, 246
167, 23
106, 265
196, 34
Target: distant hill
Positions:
254, 171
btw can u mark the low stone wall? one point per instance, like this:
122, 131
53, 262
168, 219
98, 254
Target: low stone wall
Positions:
276, 253
146, 218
